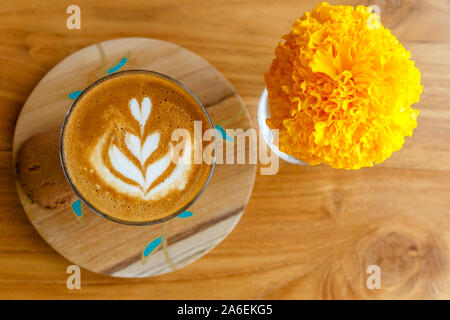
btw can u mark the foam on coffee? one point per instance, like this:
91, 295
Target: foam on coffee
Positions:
118, 151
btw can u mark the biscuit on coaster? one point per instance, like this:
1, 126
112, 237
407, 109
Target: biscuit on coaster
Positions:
39, 171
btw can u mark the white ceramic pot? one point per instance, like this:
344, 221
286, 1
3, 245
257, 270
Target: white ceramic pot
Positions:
263, 114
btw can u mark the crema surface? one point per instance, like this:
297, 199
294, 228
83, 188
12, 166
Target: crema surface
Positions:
119, 153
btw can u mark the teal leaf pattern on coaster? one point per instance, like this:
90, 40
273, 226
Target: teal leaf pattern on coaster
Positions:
223, 134
76, 206
151, 247
118, 66
75, 94
185, 214
162, 242
78, 210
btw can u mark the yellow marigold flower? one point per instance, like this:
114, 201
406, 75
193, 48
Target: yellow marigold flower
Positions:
341, 88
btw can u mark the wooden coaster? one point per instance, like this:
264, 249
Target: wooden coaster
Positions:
106, 247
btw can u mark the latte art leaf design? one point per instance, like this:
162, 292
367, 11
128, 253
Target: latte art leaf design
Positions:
125, 166
142, 147
140, 150
142, 113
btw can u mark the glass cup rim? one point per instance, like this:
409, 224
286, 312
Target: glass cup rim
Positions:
62, 157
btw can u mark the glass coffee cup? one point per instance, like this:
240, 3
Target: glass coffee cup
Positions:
118, 151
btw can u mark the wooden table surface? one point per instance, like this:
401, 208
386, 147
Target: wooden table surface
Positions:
308, 232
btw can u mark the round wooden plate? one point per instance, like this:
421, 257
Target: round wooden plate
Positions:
106, 247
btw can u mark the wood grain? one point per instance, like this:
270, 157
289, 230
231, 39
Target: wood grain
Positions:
308, 232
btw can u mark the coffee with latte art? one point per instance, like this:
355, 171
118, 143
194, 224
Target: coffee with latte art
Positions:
117, 148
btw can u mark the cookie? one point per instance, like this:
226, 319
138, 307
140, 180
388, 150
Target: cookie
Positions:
39, 171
